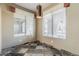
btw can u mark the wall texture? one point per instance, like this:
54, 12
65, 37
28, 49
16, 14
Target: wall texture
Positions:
8, 38
0, 31
71, 43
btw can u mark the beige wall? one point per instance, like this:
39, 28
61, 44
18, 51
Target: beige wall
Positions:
71, 43
7, 21
0, 30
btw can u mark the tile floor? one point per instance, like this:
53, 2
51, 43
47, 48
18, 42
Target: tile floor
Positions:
33, 49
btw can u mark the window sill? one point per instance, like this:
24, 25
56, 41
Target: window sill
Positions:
19, 35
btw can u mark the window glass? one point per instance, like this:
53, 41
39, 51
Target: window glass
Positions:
24, 25
54, 24
19, 26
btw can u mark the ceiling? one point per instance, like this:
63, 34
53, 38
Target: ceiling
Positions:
32, 6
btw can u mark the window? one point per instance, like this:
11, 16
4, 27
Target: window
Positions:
24, 25
47, 25
19, 26
59, 23
54, 24
30, 25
